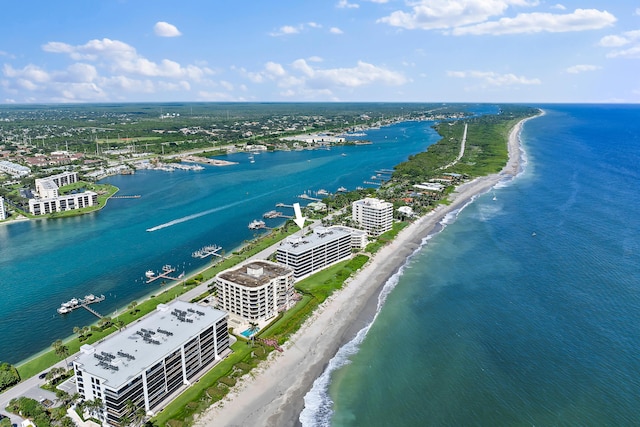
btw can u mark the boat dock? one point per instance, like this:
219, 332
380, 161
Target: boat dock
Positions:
206, 251
166, 271
74, 303
136, 196
276, 214
307, 197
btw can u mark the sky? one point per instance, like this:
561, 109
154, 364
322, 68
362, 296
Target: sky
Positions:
302, 50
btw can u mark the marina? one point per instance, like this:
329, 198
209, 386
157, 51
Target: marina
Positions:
74, 303
206, 251
166, 271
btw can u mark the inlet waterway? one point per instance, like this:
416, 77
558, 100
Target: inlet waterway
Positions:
47, 262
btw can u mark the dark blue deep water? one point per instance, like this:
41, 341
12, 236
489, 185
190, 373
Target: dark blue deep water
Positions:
491, 325
44, 263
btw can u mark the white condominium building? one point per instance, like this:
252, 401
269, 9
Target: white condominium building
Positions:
47, 188
375, 216
49, 200
3, 210
151, 360
256, 291
63, 203
311, 253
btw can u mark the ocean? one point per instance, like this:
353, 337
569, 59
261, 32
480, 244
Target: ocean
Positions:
524, 309
47, 262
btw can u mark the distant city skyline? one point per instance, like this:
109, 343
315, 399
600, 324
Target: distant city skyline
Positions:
343, 50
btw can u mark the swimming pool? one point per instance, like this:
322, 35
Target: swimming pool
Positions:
248, 332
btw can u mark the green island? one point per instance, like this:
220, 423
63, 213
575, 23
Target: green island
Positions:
485, 153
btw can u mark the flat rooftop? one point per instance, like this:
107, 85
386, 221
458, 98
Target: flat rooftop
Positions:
255, 274
320, 236
124, 355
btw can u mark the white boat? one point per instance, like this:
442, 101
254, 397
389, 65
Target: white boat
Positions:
73, 301
323, 192
342, 189
167, 268
89, 298
63, 310
255, 224
149, 274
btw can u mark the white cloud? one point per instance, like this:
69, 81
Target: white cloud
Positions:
287, 30
164, 29
314, 59
579, 20
581, 68
335, 30
77, 83
344, 4
630, 39
559, 7
613, 41
444, 14
637, 12
476, 17
120, 57
490, 78
304, 79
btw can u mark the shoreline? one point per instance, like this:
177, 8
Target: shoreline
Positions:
273, 394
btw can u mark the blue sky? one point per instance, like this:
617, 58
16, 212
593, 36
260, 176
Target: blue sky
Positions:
340, 50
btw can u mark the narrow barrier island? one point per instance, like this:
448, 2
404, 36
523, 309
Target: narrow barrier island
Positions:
484, 140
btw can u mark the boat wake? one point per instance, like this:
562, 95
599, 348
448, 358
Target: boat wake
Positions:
187, 218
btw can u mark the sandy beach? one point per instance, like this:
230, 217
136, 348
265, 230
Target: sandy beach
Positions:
272, 395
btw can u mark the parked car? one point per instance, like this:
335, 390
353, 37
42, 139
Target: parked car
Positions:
43, 375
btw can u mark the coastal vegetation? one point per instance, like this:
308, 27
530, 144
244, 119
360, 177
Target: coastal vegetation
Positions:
8, 376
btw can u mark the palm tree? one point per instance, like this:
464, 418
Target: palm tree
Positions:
61, 350
132, 307
253, 328
78, 331
93, 406
119, 324
125, 420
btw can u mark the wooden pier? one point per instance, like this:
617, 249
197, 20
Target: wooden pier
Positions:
307, 197
135, 196
210, 250
166, 271
75, 303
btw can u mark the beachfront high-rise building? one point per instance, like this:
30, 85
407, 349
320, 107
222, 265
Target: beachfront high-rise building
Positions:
256, 291
151, 361
375, 216
49, 200
318, 250
3, 211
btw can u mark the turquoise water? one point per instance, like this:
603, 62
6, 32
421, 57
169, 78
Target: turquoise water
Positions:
44, 263
248, 332
490, 325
